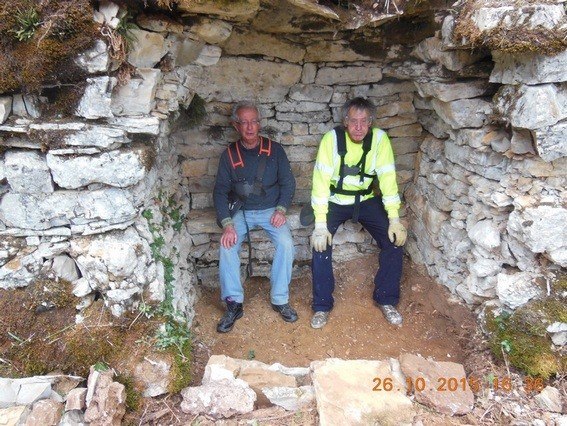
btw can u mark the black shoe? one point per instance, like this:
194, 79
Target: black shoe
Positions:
286, 311
233, 312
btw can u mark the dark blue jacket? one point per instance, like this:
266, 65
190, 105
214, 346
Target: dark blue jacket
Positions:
278, 181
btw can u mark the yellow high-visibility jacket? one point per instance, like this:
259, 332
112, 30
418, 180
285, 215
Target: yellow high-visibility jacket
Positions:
379, 162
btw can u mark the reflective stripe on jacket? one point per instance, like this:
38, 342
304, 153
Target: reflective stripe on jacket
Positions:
379, 162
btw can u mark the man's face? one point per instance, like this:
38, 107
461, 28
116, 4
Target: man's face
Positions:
248, 125
357, 124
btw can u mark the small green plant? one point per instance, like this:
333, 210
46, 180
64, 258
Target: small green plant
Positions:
506, 346
27, 22
251, 354
125, 27
101, 366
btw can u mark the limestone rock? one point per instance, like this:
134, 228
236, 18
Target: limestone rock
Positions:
65, 267
27, 172
137, 96
447, 92
234, 79
542, 230
13, 416
106, 400
5, 108
212, 31
291, 398
551, 142
153, 375
517, 289
528, 68
311, 93
558, 333
46, 412
549, 399
99, 136
532, 107
237, 11
344, 394
144, 125
96, 100
159, 24
456, 398
76, 399
259, 378
335, 51
431, 50
210, 55
184, 50
73, 418
220, 398
108, 12
487, 163
256, 43
26, 105
120, 169
530, 16
521, 142
147, 48
94, 60
485, 234
64, 208
349, 75
463, 112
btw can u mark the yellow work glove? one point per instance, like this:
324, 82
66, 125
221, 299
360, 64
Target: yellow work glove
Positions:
397, 232
321, 237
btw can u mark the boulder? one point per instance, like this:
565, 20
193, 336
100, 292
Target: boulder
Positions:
147, 48
345, 395
532, 107
445, 385
219, 398
542, 229
515, 290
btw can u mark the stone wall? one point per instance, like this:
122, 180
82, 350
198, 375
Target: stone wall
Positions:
116, 198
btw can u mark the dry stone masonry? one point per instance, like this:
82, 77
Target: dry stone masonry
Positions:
116, 198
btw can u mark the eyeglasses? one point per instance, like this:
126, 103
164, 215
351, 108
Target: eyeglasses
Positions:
359, 122
249, 123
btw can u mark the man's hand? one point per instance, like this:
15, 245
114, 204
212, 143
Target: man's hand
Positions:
321, 237
397, 232
228, 237
278, 219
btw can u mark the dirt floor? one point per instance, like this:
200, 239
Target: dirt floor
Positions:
433, 325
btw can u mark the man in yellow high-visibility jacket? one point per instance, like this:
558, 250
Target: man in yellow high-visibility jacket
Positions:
362, 153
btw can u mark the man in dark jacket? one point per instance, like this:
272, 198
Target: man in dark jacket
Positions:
254, 174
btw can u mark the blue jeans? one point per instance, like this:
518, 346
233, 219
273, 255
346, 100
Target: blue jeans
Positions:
229, 262
374, 219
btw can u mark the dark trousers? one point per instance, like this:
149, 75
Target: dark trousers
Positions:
374, 219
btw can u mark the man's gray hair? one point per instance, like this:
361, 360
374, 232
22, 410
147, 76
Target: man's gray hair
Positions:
359, 103
243, 105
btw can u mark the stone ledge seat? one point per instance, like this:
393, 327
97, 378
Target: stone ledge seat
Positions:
203, 221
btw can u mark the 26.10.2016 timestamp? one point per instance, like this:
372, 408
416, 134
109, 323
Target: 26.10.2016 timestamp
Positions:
454, 384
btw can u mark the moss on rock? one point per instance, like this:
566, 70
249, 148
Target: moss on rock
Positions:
521, 337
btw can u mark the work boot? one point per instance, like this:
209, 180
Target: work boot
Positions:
233, 312
319, 319
391, 314
287, 312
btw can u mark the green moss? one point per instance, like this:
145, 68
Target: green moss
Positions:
522, 337
33, 53
181, 369
133, 396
